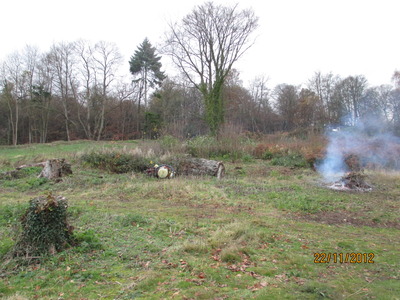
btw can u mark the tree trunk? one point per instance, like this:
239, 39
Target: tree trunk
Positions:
101, 126
55, 168
200, 166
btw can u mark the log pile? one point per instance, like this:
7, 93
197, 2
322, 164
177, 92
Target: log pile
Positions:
188, 166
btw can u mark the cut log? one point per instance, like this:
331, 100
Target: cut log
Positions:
200, 166
55, 168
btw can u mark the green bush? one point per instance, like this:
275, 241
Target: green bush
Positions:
290, 160
44, 227
169, 142
247, 157
213, 148
201, 146
116, 162
267, 155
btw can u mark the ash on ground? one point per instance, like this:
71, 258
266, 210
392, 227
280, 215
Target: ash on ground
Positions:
352, 181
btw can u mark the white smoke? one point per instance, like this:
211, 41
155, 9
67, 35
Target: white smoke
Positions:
368, 140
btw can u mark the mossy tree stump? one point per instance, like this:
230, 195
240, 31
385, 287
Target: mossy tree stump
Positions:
45, 229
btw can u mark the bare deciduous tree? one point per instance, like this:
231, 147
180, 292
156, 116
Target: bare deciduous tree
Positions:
30, 58
13, 90
323, 86
87, 74
107, 59
205, 45
396, 79
287, 103
42, 94
63, 62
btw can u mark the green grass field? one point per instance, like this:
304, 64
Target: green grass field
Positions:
253, 234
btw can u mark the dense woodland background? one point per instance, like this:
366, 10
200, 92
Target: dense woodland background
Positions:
73, 91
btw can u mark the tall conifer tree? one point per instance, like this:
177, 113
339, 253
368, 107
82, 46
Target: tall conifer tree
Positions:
145, 66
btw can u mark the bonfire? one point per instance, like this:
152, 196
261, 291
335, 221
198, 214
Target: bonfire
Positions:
352, 181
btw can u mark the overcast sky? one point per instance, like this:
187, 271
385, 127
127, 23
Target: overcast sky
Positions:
295, 37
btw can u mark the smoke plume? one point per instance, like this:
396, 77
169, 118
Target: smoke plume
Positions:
367, 141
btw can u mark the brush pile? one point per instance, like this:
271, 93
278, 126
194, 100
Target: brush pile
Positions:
355, 180
352, 181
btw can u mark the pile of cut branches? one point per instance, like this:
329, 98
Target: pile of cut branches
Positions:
355, 180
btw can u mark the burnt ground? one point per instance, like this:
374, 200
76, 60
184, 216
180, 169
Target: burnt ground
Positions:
380, 202
346, 218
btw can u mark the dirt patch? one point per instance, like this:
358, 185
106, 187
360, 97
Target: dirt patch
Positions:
346, 218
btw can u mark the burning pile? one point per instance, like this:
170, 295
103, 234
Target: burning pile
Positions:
351, 149
352, 181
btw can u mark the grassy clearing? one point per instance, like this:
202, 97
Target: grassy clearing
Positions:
251, 235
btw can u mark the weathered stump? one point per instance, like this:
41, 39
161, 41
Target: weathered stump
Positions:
55, 168
200, 166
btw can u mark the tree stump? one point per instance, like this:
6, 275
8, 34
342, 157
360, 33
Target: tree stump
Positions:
200, 166
45, 229
55, 168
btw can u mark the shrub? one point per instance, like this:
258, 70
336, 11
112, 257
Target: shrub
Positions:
222, 148
290, 160
201, 146
116, 162
45, 229
169, 142
268, 151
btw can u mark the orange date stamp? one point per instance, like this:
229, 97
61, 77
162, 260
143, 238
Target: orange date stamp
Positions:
353, 258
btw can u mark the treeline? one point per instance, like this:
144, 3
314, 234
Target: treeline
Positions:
73, 91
